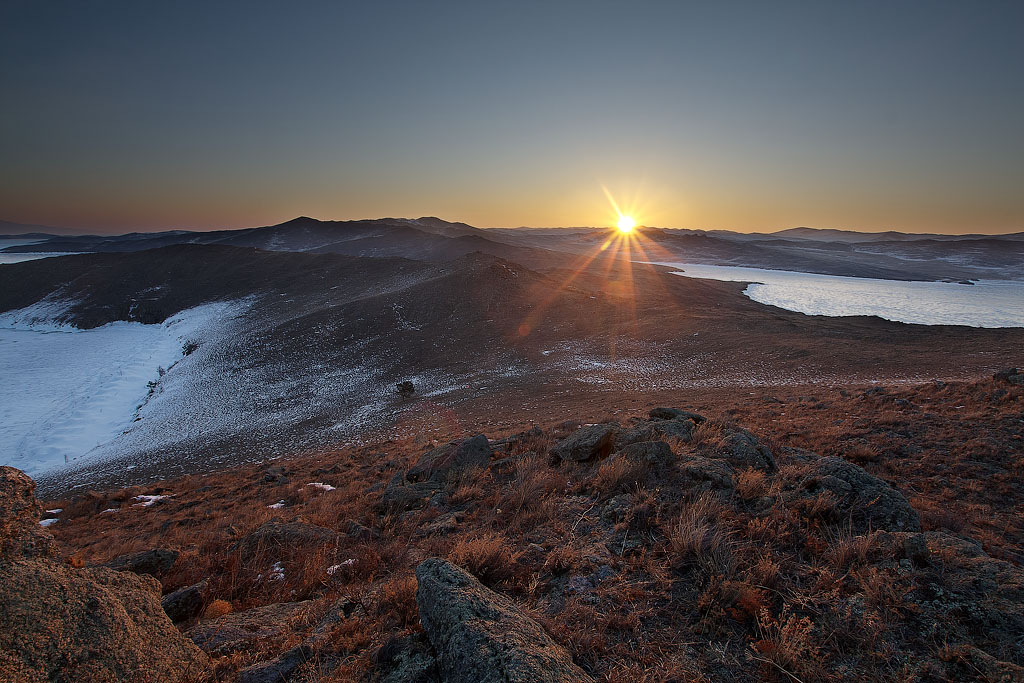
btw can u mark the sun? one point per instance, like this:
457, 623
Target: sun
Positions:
626, 224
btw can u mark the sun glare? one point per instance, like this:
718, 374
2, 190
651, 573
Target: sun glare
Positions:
626, 224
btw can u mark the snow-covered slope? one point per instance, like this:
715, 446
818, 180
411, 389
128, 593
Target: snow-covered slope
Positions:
69, 396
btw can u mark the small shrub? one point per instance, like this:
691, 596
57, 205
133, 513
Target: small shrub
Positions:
697, 538
217, 608
488, 557
751, 484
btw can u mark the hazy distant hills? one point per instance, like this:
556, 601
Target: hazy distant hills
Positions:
888, 255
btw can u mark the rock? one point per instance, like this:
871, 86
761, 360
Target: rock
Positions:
284, 539
716, 473
653, 455
185, 603
863, 499
68, 624
615, 510
1010, 376
248, 629
401, 495
587, 443
744, 449
480, 636
656, 430
915, 549
406, 660
156, 562
20, 533
451, 458
278, 669
106, 626
675, 414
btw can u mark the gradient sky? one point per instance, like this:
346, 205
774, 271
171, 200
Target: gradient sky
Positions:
745, 116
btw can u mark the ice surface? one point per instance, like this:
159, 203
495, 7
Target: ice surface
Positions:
67, 393
987, 303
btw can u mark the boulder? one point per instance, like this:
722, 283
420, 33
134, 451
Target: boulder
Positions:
284, 539
743, 449
68, 624
714, 473
863, 499
451, 458
156, 562
652, 455
185, 603
401, 494
278, 669
480, 636
251, 629
20, 533
587, 443
1010, 376
407, 659
663, 413
655, 430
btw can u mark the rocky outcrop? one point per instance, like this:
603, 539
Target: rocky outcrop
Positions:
283, 539
587, 443
249, 629
156, 562
451, 458
480, 636
20, 533
1010, 376
743, 450
854, 495
185, 603
433, 470
67, 624
652, 456
663, 413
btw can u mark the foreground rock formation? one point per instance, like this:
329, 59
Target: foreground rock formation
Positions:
481, 637
66, 624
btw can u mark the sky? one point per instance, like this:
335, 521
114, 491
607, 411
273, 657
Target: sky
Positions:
749, 116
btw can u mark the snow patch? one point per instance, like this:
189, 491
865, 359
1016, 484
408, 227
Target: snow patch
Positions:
320, 485
147, 501
47, 522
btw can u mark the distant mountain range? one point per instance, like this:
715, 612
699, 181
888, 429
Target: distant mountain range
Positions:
887, 255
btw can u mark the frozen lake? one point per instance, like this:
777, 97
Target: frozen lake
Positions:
988, 303
67, 394
28, 256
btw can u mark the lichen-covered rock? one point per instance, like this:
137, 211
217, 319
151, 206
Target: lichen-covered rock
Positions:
586, 443
713, 473
67, 624
451, 458
284, 539
663, 413
106, 626
20, 533
155, 562
656, 430
406, 660
654, 455
743, 449
480, 636
253, 628
402, 494
185, 603
854, 496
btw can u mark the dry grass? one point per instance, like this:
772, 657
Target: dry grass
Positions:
742, 585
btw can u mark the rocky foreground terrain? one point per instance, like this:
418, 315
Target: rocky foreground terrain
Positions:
669, 545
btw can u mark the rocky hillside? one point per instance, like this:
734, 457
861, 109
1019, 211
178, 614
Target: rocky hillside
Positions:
668, 546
